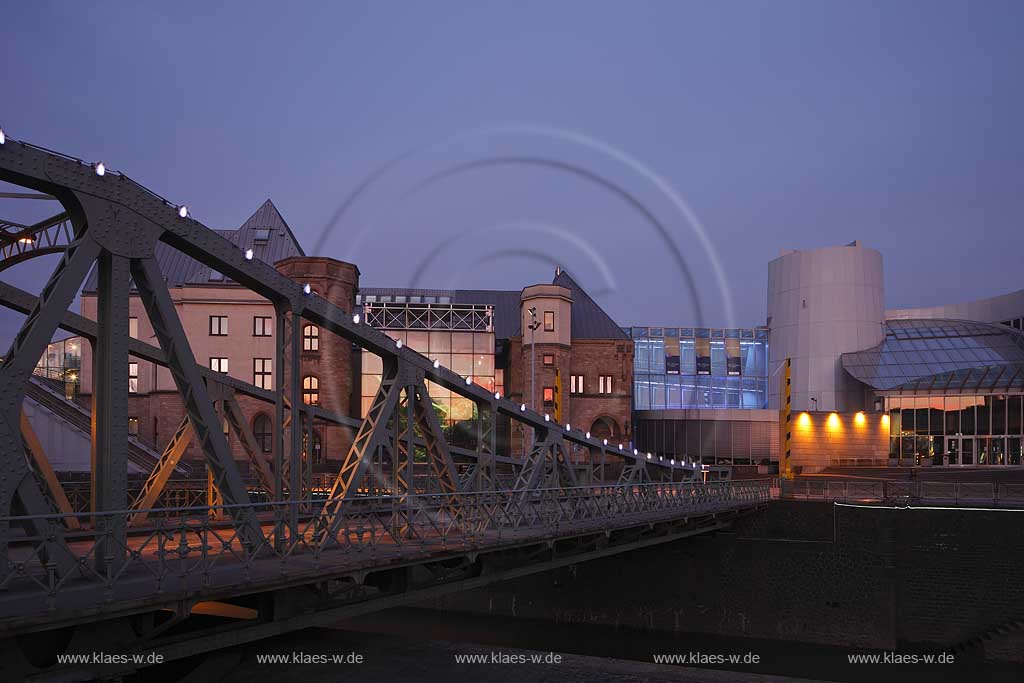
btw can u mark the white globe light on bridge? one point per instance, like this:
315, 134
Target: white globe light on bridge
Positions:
183, 211
437, 364
100, 168
398, 343
355, 318
306, 289
248, 254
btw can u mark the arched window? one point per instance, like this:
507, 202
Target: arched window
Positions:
310, 338
311, 390
263, 431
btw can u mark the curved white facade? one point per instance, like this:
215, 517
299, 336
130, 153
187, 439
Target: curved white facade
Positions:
821, 304
994, 309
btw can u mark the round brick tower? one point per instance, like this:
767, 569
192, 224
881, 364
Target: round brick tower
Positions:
326, 357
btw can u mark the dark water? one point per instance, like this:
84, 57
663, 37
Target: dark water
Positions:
780, 658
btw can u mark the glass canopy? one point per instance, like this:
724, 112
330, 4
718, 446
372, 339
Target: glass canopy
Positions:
949, 356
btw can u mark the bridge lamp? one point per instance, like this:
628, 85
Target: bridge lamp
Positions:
99, 168
306, 289
588, 435
355, 318
3, 138
497, 395
522, 407
469, 380
398, 343
620, 446
248, 253
604, 442
636, 452
673, 461
648, 456
547, 418
661, 458
182, 210
437, 364
27, 239
568, 427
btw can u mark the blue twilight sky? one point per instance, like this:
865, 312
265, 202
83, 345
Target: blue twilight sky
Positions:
778, 124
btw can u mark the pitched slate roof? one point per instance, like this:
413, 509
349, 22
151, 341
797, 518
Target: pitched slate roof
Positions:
179, 269
589, 321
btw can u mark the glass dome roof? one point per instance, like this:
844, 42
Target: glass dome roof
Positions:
952, 356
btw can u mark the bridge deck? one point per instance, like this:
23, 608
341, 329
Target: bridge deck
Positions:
195, 557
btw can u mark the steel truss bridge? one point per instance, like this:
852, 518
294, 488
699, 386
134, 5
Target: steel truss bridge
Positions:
405, 518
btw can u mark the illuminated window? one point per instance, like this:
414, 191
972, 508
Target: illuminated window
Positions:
604, 384
219, 364
311, 390
549, 395
133, 378
262, 374
549, 321
576, 384
549, 359
218, 326
261, 326
133, 327
262, 430
310, 338
133, 426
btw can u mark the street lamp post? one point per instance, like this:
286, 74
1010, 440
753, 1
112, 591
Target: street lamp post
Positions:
534, 324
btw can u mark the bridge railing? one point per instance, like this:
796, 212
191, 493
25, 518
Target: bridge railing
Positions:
959, 493
183, 552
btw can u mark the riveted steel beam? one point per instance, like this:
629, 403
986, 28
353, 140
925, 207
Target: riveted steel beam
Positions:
17, 484
46, 473
198, 406
110, 410
157, 480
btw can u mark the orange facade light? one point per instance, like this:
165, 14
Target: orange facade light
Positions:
804, 421
859, 419
833, 421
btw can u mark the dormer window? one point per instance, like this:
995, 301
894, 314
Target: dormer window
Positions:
261, 235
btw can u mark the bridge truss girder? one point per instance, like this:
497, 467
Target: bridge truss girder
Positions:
118, 223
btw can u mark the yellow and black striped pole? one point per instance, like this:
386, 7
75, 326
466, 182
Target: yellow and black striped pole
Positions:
786, 421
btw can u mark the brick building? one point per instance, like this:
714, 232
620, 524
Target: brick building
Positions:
478, 333
232, 330
573, 335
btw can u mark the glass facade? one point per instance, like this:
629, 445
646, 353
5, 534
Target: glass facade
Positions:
956, 430
470, 354
62, 361
948, 356
686, 367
